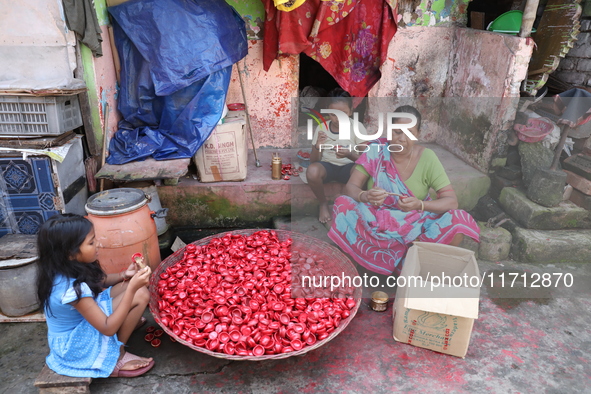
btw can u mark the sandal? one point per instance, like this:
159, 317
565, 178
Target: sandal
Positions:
140, 323
127, 357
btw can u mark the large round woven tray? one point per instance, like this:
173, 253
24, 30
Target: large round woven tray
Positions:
334, 262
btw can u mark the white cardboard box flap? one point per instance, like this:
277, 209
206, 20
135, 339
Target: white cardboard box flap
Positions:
464, 307
441, 279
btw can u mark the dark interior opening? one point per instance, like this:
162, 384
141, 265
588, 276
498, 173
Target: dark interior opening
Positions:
312, 74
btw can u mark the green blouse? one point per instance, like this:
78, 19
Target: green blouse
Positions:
429, 173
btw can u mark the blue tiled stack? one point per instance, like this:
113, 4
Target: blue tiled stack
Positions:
27, 194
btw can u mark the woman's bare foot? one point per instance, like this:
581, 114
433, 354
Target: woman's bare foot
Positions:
324, 214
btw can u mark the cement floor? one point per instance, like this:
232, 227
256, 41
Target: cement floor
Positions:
540, 342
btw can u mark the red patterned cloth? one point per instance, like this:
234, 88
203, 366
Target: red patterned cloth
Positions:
349, 38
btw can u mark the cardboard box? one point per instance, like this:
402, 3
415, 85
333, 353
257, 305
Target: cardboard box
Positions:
436, 305
222, 157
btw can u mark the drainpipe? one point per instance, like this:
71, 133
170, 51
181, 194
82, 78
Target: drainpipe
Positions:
529, 17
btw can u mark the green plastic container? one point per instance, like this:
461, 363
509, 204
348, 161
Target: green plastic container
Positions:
508, 23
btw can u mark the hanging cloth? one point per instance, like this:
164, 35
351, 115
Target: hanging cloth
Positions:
288, 5
349, 39
81, 19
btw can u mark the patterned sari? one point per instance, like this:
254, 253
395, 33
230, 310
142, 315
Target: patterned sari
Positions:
379, 237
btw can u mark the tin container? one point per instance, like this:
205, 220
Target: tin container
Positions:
276, 168
379, 301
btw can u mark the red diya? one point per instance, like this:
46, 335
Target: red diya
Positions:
233, 295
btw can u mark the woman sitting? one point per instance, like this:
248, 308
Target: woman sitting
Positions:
377, 225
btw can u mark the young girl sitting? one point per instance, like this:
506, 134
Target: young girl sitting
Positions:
90, 315
328, 165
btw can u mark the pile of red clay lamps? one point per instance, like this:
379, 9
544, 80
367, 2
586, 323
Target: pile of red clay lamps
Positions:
233, 296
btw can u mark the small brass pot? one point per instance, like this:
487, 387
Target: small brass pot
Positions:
379, 301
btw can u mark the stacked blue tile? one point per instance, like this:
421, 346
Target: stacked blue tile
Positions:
27, 194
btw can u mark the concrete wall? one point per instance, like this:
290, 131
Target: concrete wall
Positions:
482, 92
35, 43
466, 86
269, 95
433, 12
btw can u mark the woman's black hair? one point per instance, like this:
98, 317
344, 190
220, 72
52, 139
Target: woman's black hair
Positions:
58, 242
411, 110
338, 95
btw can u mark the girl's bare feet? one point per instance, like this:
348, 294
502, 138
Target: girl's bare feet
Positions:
136, 362
324, 214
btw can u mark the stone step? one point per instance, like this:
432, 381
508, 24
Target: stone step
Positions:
557, 246
534, 216
468, 183
259, 199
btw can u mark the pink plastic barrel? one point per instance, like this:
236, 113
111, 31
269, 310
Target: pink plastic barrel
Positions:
123, 226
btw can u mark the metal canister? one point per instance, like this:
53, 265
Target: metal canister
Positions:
276, 168
379, 301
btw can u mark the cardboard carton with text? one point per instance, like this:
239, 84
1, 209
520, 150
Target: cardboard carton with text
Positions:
222, 157
437, 298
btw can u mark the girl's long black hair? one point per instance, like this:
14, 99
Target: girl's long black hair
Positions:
339, 95
58, 242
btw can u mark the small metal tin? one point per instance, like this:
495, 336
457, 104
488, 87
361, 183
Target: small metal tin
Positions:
379, 301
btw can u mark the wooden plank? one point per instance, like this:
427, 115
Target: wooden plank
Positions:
148, 169
65, 390
37, 143
49, 379
477, 20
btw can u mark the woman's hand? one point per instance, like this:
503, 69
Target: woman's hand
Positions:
376, 196
411, 203
140, 279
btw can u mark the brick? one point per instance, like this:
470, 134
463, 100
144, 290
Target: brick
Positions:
578, 182
572, 77
568, 64
582, 200
578, 164
584, 65
582, 47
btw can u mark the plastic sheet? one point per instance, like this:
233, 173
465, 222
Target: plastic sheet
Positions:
176, 62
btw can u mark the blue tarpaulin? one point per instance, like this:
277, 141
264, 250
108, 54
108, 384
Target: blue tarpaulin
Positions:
176, 61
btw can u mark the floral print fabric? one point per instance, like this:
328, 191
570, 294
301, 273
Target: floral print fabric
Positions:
348, 38
378, 237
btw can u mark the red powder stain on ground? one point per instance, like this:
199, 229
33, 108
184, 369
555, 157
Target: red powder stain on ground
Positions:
510, 354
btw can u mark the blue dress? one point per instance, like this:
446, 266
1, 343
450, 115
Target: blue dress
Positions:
76, 348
